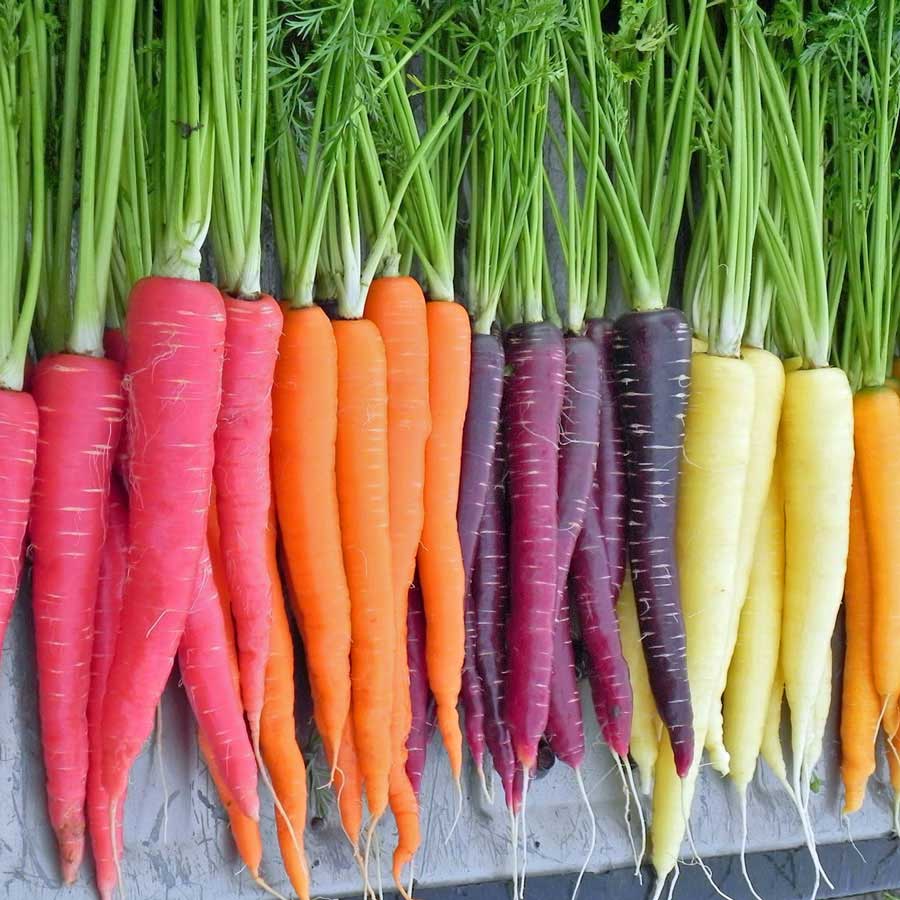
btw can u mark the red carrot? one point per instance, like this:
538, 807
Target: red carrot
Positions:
80, 409
243, 488
203, 658
176, 332
106, 628
18, 437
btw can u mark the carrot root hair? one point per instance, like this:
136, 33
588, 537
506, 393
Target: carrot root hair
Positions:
707, 872
746, 874
162, 770
264, 773
593, 820
262, 883
621, 766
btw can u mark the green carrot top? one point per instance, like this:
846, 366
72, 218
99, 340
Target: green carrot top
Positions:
24, 74
792, 220
182, 143
96, 91
639, 82
720, 262
237, 34
862, 42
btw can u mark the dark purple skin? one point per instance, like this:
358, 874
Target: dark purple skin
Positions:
472, 689
479, 440
536, 367
609, 480
490, 594
579, 426
419, 693
593, 594
565, 727
652, 352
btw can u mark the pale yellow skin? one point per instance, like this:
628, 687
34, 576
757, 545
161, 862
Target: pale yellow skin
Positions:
820, 718
768, 373
751, 676
645, 724
816, 462
771, 750
711, 490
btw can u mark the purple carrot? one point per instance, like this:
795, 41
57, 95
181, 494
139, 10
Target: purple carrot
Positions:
490, 593
420, 695
565, 728
472, 690
609, 480
579, 426
536, 362
652, 353
594, 596
479, 439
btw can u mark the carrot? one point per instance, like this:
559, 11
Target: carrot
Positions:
752, 673
771, 749
646, 724
876, 420
348, 786
203, 658
860, 703
278, 737
816, 465
175, 342
80, 410
363, 498
243, 486
106, 627
175, 330
244, 829
440, 557
397, 307
304, 434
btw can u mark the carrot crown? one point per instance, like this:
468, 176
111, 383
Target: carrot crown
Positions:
236, 31
23, 89
719, 267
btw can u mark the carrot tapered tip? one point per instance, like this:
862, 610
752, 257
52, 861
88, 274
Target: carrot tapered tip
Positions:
71, 855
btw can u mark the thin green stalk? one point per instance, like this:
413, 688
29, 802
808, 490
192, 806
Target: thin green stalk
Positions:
239, 70
31, 63
111, 27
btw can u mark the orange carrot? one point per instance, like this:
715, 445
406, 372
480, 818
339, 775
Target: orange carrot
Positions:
244, 830
440, 557
363, 498
348, 786
860, 704
397, 307
876, 413
304, 405
278, 738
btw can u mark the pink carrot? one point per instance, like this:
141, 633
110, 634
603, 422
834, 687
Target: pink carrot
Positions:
243, 487
175, 335
106, 628
204, 661
80, 412
18, 437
